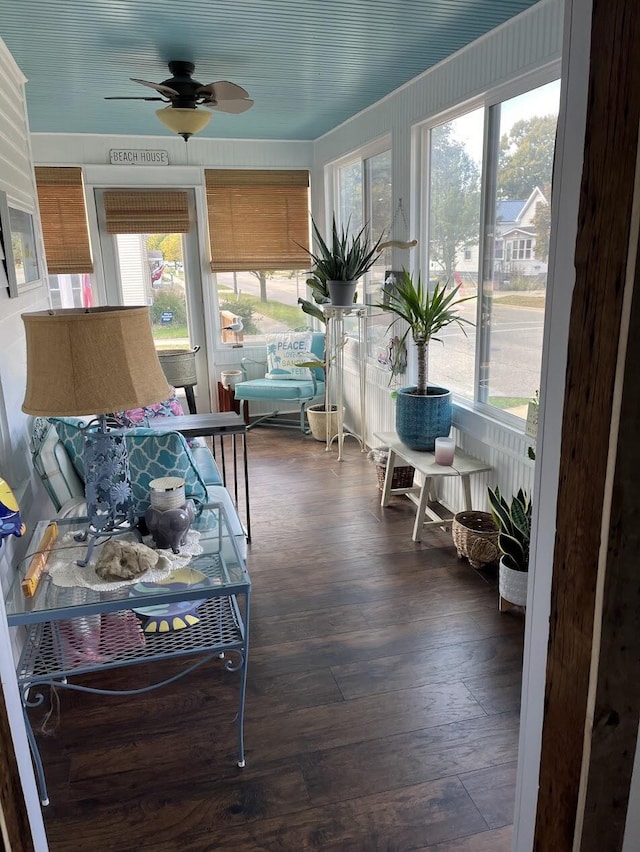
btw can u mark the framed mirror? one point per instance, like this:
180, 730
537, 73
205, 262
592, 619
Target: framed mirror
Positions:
19, 247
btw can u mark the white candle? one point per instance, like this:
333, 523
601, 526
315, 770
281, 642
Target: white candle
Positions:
445, 449
167, 492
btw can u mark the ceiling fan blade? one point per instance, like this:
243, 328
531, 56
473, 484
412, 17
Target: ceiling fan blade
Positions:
223, 90
167, 91
133, 98
234, 106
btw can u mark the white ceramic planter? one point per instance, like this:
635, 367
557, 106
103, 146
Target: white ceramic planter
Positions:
512, 586
317, 417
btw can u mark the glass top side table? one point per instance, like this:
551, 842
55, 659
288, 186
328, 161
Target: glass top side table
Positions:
73, 630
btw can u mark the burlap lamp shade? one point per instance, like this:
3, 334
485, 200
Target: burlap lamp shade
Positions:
84, 361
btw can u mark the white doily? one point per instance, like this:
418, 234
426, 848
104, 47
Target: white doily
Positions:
64, 571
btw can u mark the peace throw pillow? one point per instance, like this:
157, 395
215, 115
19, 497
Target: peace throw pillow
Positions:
285, 351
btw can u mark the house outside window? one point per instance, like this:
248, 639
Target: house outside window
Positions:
71, 291
519, 250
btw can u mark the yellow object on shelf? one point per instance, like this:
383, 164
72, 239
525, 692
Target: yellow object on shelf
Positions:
39, 560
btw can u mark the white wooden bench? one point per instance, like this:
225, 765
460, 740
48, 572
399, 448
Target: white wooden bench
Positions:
463, 466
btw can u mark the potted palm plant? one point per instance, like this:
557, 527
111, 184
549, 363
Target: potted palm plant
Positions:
514, 524
340, 262
423, 412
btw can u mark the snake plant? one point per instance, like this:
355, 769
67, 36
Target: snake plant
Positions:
514, 523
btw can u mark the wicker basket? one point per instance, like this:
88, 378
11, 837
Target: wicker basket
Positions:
402, 476
475, 536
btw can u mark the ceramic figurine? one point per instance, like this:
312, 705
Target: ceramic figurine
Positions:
169, 527
10, 521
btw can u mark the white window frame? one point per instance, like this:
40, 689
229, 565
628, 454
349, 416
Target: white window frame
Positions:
332, 169
359, 155
420, 202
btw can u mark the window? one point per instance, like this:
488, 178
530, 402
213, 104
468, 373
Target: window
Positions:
363, 195
258, 233
503, 171
455, 169
71, 291
66, 235
351, 195
254, 303
519, 250
517, 211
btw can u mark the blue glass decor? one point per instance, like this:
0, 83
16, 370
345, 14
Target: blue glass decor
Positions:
107, 483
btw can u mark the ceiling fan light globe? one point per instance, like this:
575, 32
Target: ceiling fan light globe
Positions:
184, 122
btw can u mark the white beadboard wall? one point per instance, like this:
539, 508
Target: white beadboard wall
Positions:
532, 41
529, 41
86, 149
17, 180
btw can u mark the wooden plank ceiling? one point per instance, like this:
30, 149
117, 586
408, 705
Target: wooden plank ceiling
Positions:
308, 64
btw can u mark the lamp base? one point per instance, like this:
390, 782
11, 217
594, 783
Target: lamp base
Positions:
92, 536
107, 484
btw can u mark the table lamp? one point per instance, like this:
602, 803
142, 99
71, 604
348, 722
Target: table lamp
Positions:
90, 362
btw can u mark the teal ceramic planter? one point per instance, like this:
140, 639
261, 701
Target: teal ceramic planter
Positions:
422, 419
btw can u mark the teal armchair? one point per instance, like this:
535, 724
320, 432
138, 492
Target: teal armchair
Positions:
294, 394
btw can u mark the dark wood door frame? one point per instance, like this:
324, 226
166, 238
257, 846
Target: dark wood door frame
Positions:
592, 696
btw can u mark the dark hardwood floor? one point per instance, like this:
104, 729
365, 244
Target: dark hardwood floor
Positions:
382, 705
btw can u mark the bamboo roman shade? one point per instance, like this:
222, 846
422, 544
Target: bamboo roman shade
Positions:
139, 212
64, 219
258, 219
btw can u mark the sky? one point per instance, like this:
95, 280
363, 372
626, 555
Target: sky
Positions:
468, 128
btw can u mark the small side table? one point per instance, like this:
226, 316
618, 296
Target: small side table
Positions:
227, 400
425, 463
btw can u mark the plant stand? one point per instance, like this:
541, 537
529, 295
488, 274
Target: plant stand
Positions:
335, 343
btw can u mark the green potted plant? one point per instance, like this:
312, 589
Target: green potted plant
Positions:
333, 281
340, 262
514, 524
317, 283
423, 412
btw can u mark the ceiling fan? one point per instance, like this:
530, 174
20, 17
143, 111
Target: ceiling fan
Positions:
184, 95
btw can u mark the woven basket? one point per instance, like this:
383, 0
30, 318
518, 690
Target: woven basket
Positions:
475, 536
402, 476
